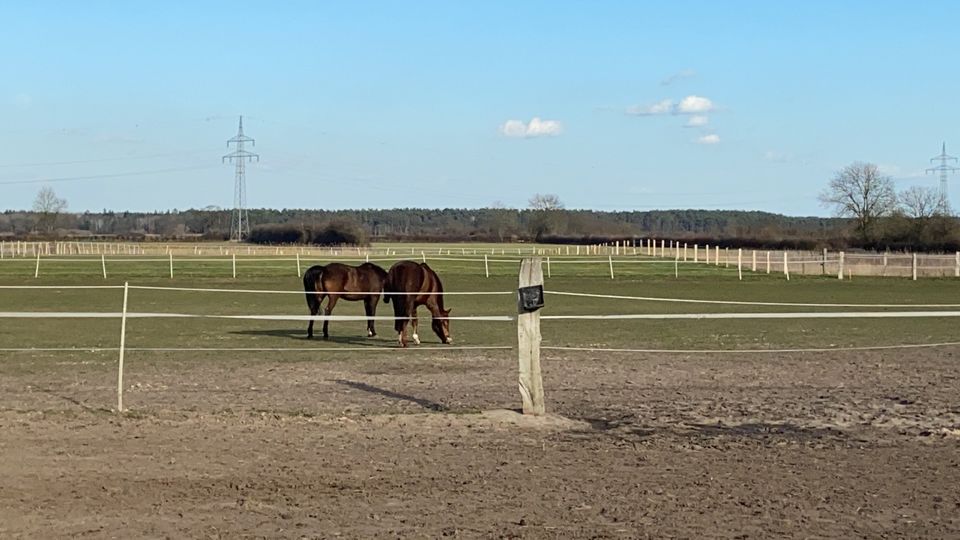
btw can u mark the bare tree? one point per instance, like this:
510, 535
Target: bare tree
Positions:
860, 192
48, 207
545, 202
922, 202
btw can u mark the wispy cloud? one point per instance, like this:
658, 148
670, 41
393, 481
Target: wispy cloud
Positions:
678, 76
712, 138
775, 156
534, 128
697, 121
23, 100
689, 105
662, 107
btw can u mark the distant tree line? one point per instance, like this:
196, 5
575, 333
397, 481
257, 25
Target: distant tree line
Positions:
908, 221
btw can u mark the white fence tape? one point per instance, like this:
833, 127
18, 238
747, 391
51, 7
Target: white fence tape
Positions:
745, 303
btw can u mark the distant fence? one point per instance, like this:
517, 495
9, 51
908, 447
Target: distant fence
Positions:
808, 263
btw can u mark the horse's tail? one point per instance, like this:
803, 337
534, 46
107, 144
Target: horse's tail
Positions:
311, 286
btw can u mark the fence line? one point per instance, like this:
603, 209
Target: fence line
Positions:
742, 302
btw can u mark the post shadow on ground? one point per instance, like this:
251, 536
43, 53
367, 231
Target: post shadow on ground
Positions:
300, 334
425, 403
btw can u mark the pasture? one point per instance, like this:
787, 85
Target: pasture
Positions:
659, 427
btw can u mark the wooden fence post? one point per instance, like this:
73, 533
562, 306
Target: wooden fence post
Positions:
528, 336
103, 264
299, 273
486, 265
786, 265
234, 266
676, 266
684, 252
842, 257
740, 263
753, 267
914, 266
956, 266
171, 266
123, 343
549, 273
823, 263
611, 267
695, 254
768, 262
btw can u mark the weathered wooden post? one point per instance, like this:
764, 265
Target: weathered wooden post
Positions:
696, 255
842, 257
611, 267
768, 262
171, 265
956, 265
740, 263
299, 273
914, 266
123, 342
530, 300
36, 272
486, 265
103, 264
786, 265
753, 267
234, 256
823, 263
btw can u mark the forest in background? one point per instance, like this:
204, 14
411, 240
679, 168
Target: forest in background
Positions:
552, 225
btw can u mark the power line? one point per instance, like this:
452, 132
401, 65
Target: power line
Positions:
103, 160
102, 176
240, 224
944, 169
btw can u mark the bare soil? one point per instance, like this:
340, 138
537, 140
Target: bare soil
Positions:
842, 445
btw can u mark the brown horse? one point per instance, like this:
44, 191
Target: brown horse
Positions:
423, 288
339, 281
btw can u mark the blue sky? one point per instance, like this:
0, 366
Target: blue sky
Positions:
610, 105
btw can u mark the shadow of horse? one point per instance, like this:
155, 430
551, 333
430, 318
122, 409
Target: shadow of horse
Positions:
299, 335
425, 403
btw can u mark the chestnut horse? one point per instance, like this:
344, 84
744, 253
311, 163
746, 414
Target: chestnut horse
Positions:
423, 288
339, 281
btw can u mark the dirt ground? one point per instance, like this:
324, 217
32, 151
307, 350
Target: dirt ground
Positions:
842, 445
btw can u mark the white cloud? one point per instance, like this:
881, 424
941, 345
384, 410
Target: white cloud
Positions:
694, 105
713, 138
697, 121
680, 75
534, 128
689, 105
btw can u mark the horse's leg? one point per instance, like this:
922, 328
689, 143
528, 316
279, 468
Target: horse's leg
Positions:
314, 304
414, 322
400, 319
370, 306
332, 301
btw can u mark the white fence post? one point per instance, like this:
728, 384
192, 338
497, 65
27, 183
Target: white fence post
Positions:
423, 256
768, 262
486, 265
726, 257
956, 266
786, 265
103, 265
549, 273
171, 265
299, 273
740, 263
914, 266
36, 273
123, 344
611, 267
234, 259
842, 257
528, 337
676, 265
684, 252
696, 255
753, 266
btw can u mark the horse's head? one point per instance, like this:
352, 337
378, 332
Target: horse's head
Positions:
441, 326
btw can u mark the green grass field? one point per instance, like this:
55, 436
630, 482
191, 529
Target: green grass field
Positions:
634, 276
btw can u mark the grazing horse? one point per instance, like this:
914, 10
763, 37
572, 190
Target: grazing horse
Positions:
423, 288
339, 281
